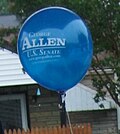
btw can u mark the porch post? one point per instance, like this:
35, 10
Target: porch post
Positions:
62, 109
118, 117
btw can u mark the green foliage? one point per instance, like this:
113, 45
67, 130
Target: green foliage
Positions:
102, 17
4, 7
5, 33
26, 8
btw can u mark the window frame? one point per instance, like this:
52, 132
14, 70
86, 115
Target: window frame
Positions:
22, 99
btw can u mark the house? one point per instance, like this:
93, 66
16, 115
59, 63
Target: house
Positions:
21, 107
17, 96
82, 108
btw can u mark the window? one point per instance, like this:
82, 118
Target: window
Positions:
13, 113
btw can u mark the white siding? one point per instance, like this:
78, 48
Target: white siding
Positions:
80, 98
11, 70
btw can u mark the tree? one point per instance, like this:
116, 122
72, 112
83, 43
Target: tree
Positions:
103, 19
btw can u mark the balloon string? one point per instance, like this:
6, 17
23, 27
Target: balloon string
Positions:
69, 122
63, 97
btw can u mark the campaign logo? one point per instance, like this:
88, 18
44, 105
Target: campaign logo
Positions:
42, 46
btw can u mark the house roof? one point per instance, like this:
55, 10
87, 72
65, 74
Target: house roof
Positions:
11, 72
8, 21
80, 98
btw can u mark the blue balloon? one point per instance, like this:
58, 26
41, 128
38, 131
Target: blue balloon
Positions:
55, 48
